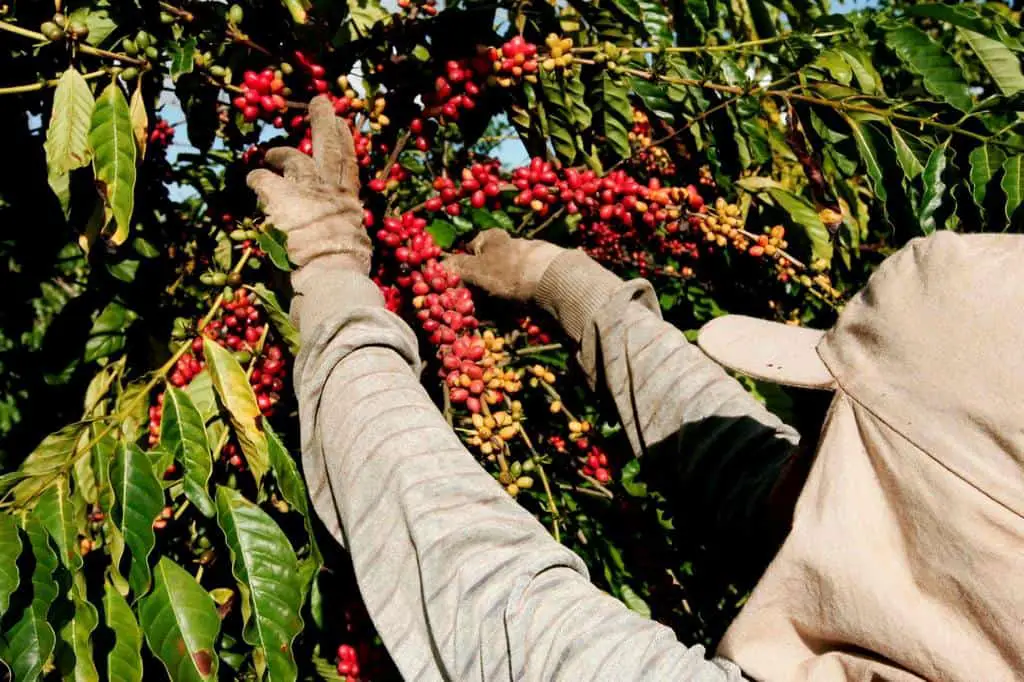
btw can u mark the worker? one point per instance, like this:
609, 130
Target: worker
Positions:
905, 556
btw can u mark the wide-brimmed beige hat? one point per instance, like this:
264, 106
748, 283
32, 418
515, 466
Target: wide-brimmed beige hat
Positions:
906, 555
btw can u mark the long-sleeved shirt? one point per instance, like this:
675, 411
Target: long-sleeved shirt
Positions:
459, 580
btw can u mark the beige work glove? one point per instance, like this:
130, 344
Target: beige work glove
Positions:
565, 282
316, 202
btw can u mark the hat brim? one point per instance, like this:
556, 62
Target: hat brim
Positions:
769, 351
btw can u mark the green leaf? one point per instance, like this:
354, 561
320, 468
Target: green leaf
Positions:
363, 15
560, 124
29, 640
183, 434
140, 120
278, 317
113, 146
48, 459
57, 511
985, 161
236, 395
1013, 183
804, 216
107, 335
860, 64
60, 184
868, 143
182, 57
139, 500
634, 601
1002, 64
909, 161
181, 624
97, 18
75, 652
615, 114
835, 63
124, 662
272, 241
934, 190
291, 485
67, 136
630, 484
656, 20
10, 550
268, 577
963, 17
921, 54
443, 233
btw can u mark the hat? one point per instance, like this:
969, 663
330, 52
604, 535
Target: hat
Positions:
905, 560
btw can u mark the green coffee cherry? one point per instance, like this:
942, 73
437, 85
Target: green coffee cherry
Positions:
236, 14
60, 19
152, 53
242, 357
529, 466
239, 235
252, 234
130, 47
51, 30
130, 73
286, 68
79, 30
166, 18
217, 71
524, 482
515, 469
143, 40
229, 294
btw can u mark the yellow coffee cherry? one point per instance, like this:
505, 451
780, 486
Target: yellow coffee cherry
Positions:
555, 407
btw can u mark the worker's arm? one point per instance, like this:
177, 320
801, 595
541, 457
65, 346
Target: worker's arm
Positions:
718, 449
460, 581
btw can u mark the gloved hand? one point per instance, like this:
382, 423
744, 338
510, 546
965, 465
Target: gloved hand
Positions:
316, 203
565, 282
503, 266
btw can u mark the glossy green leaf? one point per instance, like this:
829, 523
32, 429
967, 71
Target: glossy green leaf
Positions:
286, 331
363, 15
183, 53
140, 499
183, 434
180, 622
985, 161
236, 395
634, 601
630, 484
108, 334
942, 76
806, 218
656, 21
1013, 183
934, 190
202, 394
57, 511
906, 154
272, 242
1001, 63
51, 457
124, 662
10, 550
834, 62
29, 639
292, 487
961, 16
868, 145
615, 114
863, 70
443, 233
75, 653
113, 145
67, 136
560, 124
267, 572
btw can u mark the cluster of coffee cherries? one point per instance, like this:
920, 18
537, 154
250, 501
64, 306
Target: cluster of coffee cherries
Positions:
348, 662
535, 335
263, 96
475, 373
161, 135
559, 52
651, 158
427, 7
458, 89
481, 183
516, 59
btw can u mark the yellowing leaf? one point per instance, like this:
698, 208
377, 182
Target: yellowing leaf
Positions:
237, 397
67, 136
113, 146
140, 120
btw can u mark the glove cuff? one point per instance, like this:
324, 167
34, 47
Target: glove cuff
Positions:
573, 288
328, 285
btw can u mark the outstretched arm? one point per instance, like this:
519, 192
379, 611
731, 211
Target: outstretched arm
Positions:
720, 450
459, 580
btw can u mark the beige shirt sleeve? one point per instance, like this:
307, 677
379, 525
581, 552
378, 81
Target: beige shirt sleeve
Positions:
460, 581
708, 443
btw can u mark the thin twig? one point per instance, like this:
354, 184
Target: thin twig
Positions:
530, 350
782, 37
41, 85
84, 49
177, 11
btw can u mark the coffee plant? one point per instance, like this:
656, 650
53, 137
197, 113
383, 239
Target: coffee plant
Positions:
753, 156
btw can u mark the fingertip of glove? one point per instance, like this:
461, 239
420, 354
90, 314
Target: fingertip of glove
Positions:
488, 239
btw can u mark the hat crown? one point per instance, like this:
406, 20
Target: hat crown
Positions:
934, 346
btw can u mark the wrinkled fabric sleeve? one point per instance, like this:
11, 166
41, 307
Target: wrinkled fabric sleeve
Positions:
460, 581
713, 445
